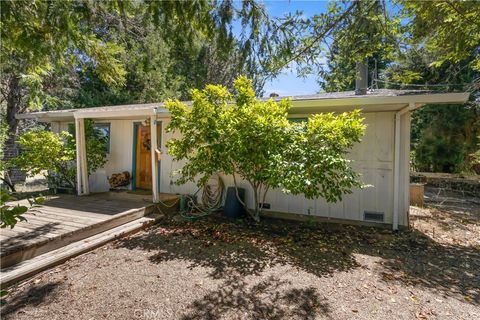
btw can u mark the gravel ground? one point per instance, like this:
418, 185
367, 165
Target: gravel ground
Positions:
216, 269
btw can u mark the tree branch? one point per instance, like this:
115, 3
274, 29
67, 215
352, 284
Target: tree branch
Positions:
461, 14
317, 37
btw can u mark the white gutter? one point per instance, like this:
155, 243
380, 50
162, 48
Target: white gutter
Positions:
396, 162
111, 114
365, 100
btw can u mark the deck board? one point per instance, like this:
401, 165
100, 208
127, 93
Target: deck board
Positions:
44, 219
65, 217
80, 216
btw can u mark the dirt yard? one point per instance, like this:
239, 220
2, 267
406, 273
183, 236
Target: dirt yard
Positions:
214, 268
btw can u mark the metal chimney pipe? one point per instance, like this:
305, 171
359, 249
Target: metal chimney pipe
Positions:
361, 79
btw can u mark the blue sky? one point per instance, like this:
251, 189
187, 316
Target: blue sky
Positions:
288, 83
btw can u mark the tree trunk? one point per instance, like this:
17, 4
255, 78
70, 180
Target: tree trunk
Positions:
252, 214
257, 209
10, 148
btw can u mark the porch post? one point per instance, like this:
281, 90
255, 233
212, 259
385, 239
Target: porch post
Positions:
153, 150
79, 168
82, 175
83, 149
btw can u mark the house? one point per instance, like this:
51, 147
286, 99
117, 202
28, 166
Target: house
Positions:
382, 157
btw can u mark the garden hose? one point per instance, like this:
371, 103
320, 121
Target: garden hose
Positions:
212, 200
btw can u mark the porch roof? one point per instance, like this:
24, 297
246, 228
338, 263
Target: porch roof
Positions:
373, 101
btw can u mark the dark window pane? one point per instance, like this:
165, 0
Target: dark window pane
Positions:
103, 130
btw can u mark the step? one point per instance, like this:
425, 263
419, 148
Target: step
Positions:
28, 268
16, 254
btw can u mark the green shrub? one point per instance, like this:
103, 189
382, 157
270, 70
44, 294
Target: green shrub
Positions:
254, 140
54, 155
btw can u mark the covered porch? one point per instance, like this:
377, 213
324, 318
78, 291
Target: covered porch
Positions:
127, 148
146, 118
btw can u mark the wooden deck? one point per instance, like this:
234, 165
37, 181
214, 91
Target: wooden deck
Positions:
64, 219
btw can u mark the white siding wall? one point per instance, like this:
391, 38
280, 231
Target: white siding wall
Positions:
120, 157
373, 158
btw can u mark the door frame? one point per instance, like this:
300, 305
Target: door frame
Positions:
136, 124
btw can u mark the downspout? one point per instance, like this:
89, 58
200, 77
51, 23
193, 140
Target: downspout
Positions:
396, 162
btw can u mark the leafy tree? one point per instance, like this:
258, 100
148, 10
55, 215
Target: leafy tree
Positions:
68, 54
52, 154
368, 33
42, 38
351, 31
157, 66
254, 139
449, 30
11, 214
442, 136
404, 43
476, 158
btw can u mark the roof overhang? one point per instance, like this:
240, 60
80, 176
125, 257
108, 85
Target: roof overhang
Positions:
375, 103
47, 116
300, 106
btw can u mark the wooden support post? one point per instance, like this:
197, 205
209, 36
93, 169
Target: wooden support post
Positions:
86, 189
82, 174
79, 160
153, 148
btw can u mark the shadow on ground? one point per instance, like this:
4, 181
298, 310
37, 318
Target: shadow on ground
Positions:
242, 248
265, 300
34, 296
245, 249
21, 238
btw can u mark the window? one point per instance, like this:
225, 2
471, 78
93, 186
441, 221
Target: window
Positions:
298, 120
103, 130
71, 129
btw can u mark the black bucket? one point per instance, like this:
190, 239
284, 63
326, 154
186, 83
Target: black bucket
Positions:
233, 207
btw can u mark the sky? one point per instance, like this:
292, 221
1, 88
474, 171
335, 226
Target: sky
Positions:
287, 83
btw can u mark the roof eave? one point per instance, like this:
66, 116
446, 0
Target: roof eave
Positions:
366, 102
46, 116
438, 98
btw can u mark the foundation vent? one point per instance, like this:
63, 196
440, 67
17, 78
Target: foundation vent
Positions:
373, 216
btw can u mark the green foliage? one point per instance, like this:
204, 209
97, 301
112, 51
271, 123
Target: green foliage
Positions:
315, 155
11, 214
40, 36
48, 153
443, 137
96, 147
254, 140
54, 155
367, 33
476, 157
450, 30
351, 31
158, 67
131, 51
412, 45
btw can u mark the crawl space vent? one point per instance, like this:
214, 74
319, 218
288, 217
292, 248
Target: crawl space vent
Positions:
373, 216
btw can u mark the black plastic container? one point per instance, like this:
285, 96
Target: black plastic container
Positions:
233, 207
